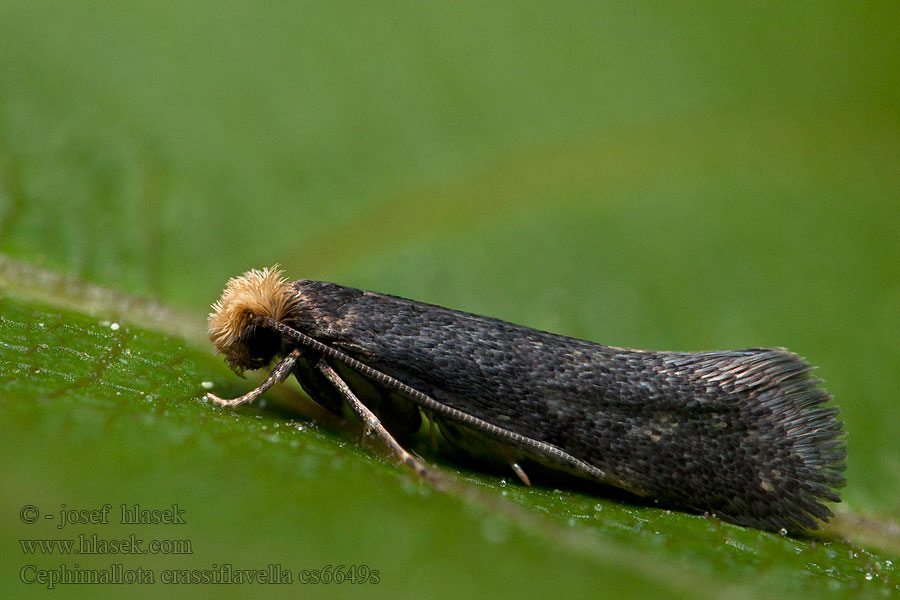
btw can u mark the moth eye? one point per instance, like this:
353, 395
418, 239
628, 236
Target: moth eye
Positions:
263, 343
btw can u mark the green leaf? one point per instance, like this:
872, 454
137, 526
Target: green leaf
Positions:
645, 176
103, 413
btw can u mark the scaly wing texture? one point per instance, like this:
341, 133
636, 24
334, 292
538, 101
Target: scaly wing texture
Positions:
739, 433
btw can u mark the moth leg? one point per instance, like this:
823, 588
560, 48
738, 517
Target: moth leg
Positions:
521, 473
369, 419
278, 374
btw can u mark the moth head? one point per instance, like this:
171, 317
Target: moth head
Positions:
235, 327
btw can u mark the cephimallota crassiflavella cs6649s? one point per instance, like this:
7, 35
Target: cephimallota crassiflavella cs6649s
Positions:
740, 433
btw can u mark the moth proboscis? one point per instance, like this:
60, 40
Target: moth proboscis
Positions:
739, 433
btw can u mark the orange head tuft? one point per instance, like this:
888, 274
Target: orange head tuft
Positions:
256, 293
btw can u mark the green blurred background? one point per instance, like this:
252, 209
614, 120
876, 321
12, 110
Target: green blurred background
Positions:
675, 176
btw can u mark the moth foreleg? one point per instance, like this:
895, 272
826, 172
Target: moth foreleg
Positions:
369, 419
278, 374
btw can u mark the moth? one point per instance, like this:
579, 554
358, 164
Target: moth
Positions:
740, 433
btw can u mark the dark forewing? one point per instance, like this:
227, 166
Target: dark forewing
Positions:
740, 432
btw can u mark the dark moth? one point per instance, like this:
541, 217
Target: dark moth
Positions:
742, 433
